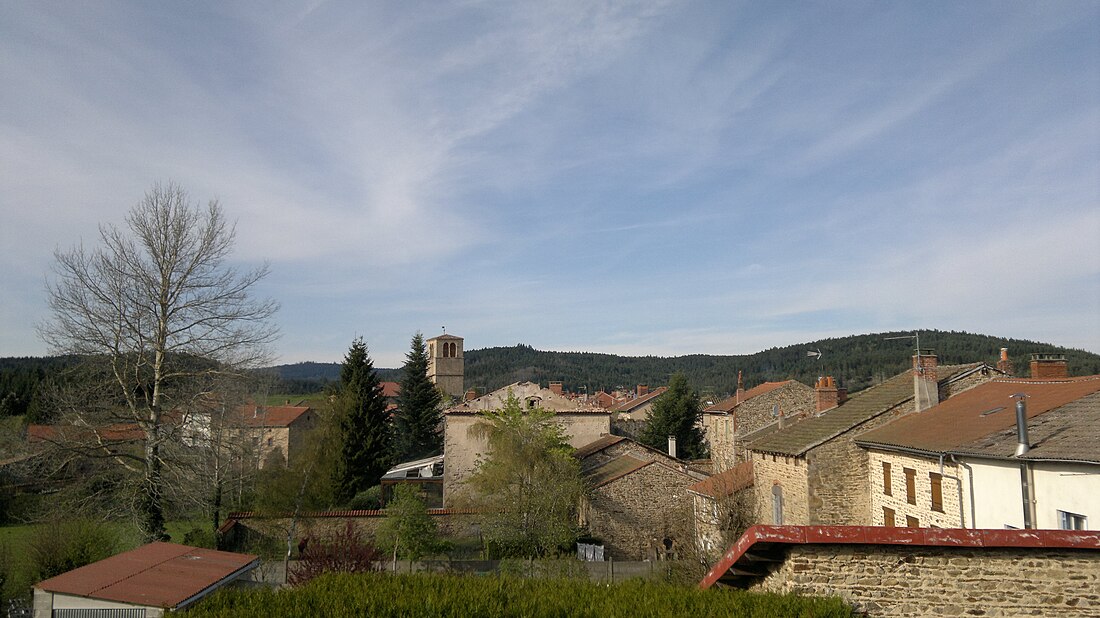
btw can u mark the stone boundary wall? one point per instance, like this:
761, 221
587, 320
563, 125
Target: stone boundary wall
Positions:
894, 580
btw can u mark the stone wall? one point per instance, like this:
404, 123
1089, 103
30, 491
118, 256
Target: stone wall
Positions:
634, 514
791, 474
898, 580
725, 435
949, 515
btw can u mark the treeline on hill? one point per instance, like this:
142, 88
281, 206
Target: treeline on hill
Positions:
858, 361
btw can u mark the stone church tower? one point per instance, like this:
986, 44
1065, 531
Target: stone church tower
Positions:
446, 367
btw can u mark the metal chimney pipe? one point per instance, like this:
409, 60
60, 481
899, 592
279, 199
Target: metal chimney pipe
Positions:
672, 447
1023, 445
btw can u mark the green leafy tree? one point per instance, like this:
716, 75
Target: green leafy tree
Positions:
419, 415
366, 451
529, 486
677, 412
408, 532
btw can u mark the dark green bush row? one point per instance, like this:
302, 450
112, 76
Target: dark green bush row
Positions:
382, 595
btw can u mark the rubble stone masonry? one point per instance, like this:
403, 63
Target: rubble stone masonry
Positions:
789, 473
945, 581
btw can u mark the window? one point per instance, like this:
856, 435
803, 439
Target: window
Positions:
1072, 521
937, 491
886, 487
777, 505
912, 522
910, 485
888, 517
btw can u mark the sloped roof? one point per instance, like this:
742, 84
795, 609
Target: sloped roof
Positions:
1063, 421
268, 416
597, 445
863, 406
637, 402
390, 389
547, 400
117, 432
614, 469
732, 402
727, 482
157, 575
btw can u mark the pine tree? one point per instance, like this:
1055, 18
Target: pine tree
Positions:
677, 412
366, 451
419, 417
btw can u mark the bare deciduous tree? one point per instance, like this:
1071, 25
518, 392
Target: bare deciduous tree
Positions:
160, 311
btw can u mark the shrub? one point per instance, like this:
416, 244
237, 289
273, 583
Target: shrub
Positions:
367, 500
342, 552
53, 549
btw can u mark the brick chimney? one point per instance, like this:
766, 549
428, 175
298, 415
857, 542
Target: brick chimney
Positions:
827, 394
926, 389
1004, 365
740, 387
1049, 366
643, 389
555, 387
841, 394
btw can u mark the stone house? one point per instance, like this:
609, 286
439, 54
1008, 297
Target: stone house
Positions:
582, 422
813, 472
971, 463
638, 407
637, 502
722, 505
273, 432
728, 424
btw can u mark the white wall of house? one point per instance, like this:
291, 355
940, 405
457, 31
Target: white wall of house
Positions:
1067, 487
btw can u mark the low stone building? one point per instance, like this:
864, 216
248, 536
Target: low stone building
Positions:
921, 572
727, 423
275, 433
723, 505
962, 463
582, 422
637, 504
813, 473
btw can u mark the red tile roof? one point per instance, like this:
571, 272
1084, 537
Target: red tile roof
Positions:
730, 403
982, 411
268, 416
739, 565
725, 483
157, 575
391, 389
118, 432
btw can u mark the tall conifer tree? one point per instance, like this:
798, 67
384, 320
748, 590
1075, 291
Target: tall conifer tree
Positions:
419, 417
366, 451
677, 412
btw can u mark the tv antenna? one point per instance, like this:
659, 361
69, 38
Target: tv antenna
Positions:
916, 336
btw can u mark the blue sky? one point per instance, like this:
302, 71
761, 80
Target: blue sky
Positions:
632, 178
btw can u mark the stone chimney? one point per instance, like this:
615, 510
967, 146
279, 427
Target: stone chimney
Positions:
555, 387
1004, 365
926, 388
841, 394
740, 387
1049, 366
643, 390
672, 447
827, 393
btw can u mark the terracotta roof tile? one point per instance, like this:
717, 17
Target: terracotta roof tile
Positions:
631, 404
725, 483
863, 406
982, 421
268, 416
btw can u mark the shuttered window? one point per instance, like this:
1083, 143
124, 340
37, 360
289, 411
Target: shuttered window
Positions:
912, 522
888, 517
887, 488
910, 485
937, 491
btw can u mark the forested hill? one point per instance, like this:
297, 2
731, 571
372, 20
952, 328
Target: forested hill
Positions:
858, 361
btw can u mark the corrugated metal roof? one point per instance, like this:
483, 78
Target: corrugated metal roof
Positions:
863, 406
157, 575
982, 421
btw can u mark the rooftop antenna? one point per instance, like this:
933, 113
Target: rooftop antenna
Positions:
916, 335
